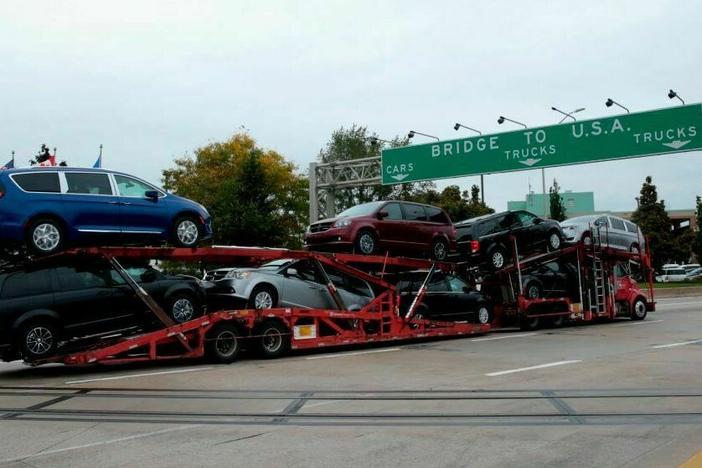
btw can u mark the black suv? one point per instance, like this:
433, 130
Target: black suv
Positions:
54, 301
487, 239
447, 298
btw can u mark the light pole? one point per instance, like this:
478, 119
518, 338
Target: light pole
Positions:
611, 101
375, 140
412, 133
502, 120
567, 114
457, 126
672, 94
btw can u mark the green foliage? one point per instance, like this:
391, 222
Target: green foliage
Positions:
653, 220
558, 210
255, 196
697, 246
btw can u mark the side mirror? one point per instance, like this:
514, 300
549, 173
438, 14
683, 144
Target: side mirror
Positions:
291, 272
382, 214
538, 220
151, 195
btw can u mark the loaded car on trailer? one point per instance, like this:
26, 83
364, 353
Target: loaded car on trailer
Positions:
53, 301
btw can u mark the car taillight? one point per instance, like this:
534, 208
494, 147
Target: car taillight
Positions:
474, 246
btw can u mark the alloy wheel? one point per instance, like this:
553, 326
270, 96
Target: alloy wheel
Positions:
555, 241
440, 251
367, 243
498, 260
39, 340
183, 310
639, 309
263, 300
46, 237
483, 315
187, 232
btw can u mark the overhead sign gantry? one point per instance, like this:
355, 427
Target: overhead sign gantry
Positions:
670, 130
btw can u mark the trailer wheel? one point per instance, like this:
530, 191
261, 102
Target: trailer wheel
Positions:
223, 343
638, 309
273, 339
530, 323
38, 339
557, 321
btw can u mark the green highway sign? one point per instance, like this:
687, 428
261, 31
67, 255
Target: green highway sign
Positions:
670, 130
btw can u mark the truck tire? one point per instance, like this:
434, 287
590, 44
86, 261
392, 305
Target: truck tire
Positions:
223, 343
272, 339
530, 323
638, 309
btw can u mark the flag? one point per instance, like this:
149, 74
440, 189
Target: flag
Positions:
98, 163
10, 165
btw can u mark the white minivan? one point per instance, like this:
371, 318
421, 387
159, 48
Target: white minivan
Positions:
672, 274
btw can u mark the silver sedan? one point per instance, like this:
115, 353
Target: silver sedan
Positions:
613, 231
287, 283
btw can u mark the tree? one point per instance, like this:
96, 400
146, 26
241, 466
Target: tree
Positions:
697, 246
558, 210
255, 196
655, 224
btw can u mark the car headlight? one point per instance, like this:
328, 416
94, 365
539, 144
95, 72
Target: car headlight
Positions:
342, 223
239, 275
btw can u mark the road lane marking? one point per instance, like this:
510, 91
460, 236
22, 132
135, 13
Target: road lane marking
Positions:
329, 356
638, 323
540, 366
98, 444
673, 345
492, 338
131, 376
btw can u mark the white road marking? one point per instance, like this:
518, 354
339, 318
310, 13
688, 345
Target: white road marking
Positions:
492, 338
687, 303
673, 345
131, 376
321, 403
638, 323
540, 366
329, 356
98, 444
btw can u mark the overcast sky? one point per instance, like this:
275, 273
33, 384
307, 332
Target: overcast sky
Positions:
154, 80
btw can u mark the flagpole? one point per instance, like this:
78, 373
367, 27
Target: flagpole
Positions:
100, 157
13, 158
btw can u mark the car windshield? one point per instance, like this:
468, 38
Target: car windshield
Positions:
580, 220
361, 210
275, 264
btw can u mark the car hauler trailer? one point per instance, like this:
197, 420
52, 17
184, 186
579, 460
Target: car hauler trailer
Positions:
603, 287
221, 335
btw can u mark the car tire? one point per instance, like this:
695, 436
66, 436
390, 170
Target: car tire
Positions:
183, 307
263, 297
553, 241
366, 242
440, 250
38, 339
272, 339
634, 249
530, 323
45, 236
497, 258
484, 315
638, 309
186, 232
533, 290
223, 343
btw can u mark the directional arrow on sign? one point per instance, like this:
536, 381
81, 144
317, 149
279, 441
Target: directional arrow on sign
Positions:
676, 144
400, 177
530, 162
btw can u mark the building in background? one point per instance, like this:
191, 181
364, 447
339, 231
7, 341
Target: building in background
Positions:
583, 203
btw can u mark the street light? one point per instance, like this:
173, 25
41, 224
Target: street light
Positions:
672, 94
567, 114
412, 133
458, 125
611, 101
502, 119
374, 141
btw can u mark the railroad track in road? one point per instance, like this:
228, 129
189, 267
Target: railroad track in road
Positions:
412, 412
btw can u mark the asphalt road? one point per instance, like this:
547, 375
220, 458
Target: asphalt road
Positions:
616, 394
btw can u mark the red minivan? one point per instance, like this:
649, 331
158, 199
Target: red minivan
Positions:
386, 226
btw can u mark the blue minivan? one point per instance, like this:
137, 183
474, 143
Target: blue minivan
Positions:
51, 208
